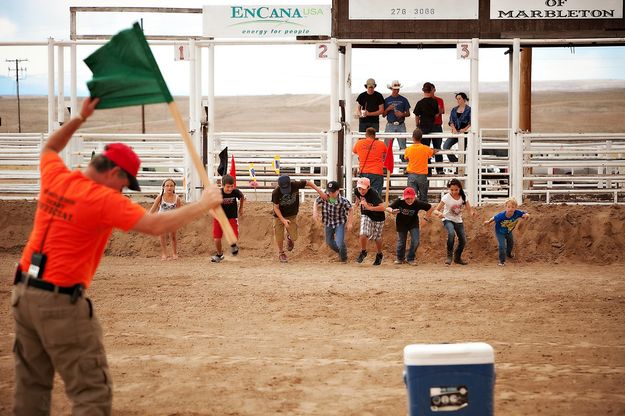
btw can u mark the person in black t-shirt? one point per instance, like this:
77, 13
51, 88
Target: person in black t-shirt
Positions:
285, 198
229, 204
370, 106
425, 113
407, 221
371, 219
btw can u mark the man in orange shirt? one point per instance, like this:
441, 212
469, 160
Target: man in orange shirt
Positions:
370, 153
418, 155
55, 325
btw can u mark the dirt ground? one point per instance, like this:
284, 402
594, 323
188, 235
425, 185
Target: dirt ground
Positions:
250, 336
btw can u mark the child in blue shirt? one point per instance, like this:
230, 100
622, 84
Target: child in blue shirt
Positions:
505, 222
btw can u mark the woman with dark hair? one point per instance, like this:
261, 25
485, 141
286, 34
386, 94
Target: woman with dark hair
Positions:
452, 204
460, 122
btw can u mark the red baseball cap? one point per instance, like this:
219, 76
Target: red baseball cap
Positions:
409, 192
124, 157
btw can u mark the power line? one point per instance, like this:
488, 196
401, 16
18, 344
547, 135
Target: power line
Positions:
20, 73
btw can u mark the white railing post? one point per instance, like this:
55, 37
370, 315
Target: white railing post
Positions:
213, 142
196, 52
334, 111
516, 156
51, 123
190, 171
473, 139
74, 145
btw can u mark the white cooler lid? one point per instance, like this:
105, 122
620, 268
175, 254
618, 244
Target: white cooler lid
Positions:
449, 354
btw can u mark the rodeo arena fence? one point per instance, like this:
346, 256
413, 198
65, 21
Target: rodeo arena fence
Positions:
497, 163
579, 168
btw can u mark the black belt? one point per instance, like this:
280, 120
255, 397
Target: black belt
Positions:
75, 291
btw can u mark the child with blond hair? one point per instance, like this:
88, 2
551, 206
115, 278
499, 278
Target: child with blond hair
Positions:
505, 222
167, 201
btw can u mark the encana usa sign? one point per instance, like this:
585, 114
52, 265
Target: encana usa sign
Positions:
279, 21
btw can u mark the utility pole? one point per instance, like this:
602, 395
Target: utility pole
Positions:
18, 71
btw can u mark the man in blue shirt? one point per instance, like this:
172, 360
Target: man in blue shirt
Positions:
396, 109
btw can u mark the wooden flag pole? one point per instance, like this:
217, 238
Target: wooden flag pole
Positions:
388, 185
218, 212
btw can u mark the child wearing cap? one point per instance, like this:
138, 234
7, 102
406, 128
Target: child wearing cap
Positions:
336, 215
371, 219
407, 221
229, 204
505, 222
285, 198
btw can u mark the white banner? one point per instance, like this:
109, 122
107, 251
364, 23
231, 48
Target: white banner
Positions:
267, 21
556, 9
413, 9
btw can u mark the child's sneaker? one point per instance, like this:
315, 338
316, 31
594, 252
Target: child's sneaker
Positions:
510, 256
217, 258
282, 258
361, 256
398, 261
501, 264
378, 259
461, 262
411, 263
448, 260
289, 243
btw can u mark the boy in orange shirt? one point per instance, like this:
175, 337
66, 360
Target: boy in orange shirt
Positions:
370, 153
418, 156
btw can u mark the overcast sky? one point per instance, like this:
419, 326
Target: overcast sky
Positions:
243, 70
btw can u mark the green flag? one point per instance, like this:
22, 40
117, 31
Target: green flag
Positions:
125, 72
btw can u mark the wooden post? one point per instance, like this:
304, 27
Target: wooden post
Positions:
525, 103
525, 119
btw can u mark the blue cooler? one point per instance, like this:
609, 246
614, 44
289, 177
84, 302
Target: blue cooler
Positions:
455, 379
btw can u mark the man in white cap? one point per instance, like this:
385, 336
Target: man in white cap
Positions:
370, 106
396, 109
56, 328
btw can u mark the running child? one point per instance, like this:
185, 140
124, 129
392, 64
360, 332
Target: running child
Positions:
505, 222
230, 195
336, 216
167, 201
407, 221
452, 203
371, 219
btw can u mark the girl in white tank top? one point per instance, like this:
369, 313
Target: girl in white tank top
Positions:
167, 201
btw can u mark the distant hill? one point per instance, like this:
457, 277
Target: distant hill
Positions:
38, 85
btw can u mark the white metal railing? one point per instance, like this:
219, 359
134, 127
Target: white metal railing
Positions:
19, 165
583, 168
301, 156
162, 156
437, 181
587, 168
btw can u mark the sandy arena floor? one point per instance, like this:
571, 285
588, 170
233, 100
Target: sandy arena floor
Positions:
251, 336
244, 337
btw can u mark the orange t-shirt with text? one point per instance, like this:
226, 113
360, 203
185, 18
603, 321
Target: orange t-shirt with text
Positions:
374, 162
418, 155
79, 216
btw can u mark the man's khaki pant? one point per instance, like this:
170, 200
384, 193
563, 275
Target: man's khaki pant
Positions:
278, 229
52, 334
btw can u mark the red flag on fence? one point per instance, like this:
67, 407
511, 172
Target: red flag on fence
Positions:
233, 171
389, 161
